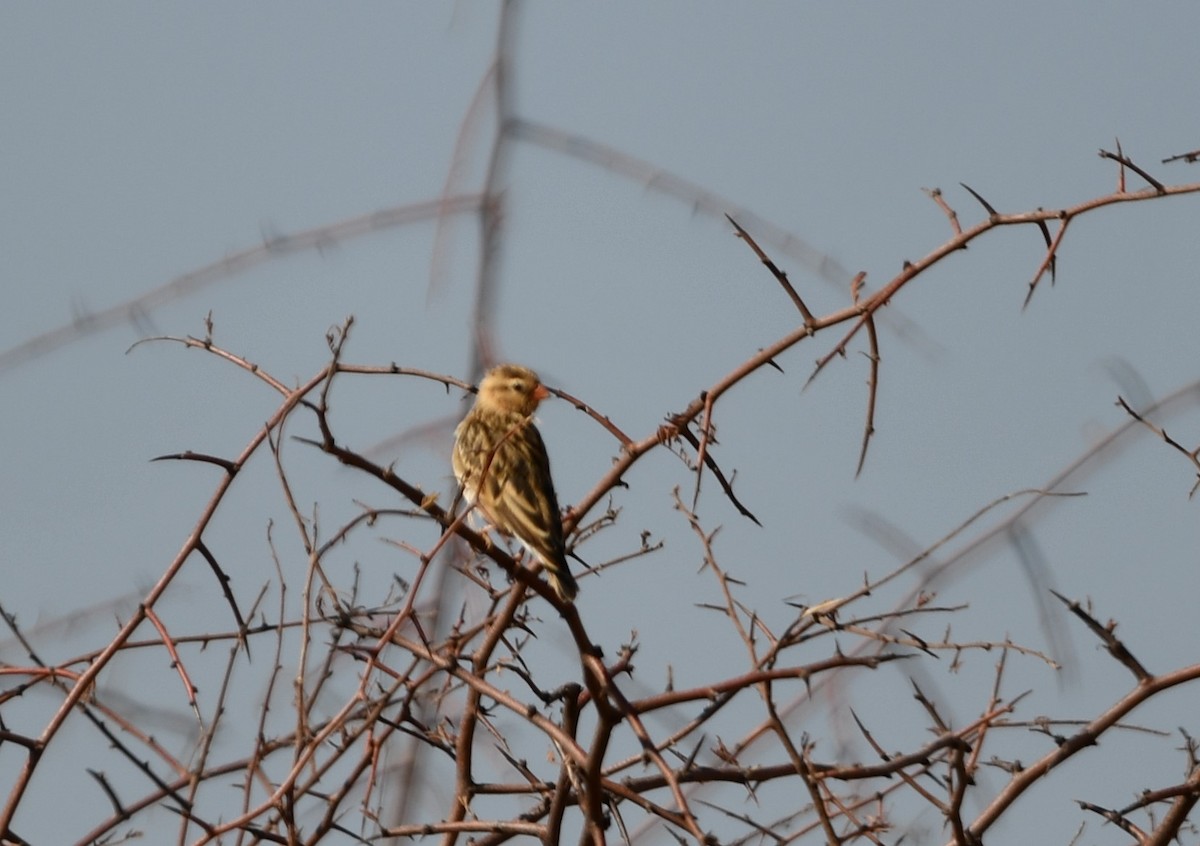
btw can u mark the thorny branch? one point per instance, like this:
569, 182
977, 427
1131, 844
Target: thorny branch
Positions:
464, 704
397, 669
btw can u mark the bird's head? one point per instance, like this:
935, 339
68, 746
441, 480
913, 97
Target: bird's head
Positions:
511, 388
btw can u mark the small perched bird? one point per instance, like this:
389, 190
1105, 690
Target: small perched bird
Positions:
501, 462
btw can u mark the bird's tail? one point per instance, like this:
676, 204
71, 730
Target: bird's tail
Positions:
562, 581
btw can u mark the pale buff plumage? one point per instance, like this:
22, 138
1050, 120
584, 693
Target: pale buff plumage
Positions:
501, 462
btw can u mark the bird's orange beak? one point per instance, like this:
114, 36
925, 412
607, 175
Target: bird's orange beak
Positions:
540, 393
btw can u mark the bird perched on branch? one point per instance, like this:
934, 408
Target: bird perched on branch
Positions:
501, 462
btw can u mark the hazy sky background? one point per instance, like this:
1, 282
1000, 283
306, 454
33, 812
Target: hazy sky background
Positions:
143, 141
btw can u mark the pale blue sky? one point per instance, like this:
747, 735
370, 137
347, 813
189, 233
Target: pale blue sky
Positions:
142, 141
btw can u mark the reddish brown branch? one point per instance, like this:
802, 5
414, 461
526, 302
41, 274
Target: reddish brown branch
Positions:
935, 194
779, 275
1106, 635
1192, 455
1125, 161
872, 393
1191, 157
1050, 262
1083, 739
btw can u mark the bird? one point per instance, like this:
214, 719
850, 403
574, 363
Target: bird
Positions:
500, 460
